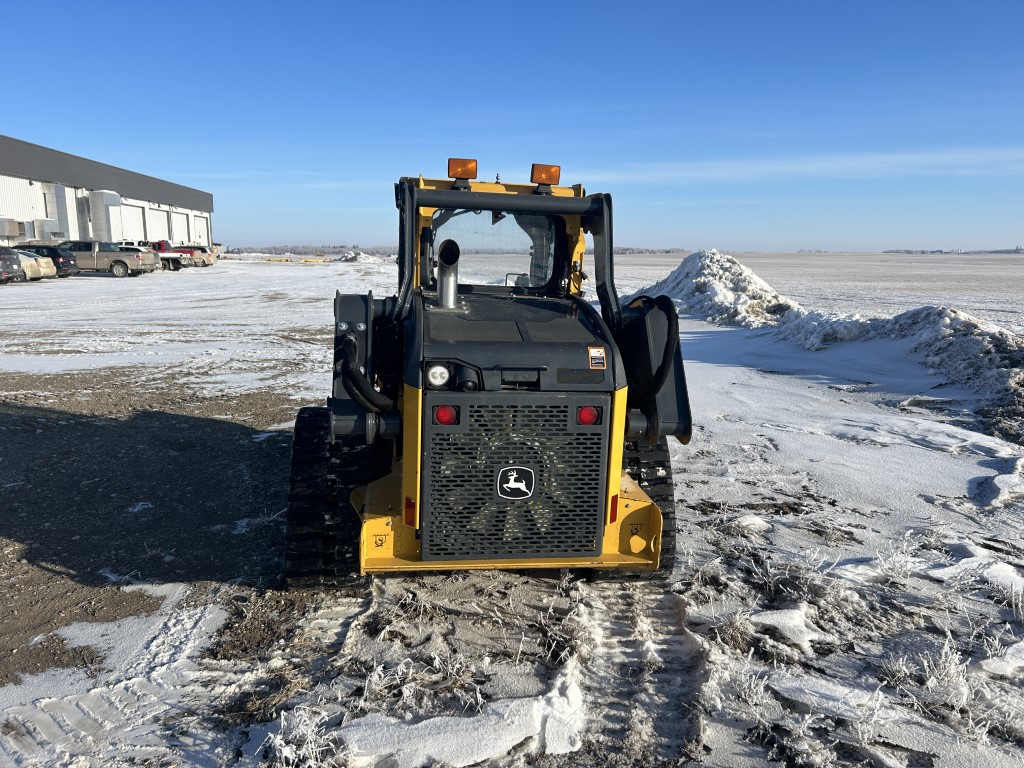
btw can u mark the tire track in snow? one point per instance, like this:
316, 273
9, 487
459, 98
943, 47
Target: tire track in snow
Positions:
156, 704
126, 715
329, 625
645, 672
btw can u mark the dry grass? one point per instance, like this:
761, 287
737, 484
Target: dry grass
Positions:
735, 632
304, 742
1013, 601
412, 687
265, 702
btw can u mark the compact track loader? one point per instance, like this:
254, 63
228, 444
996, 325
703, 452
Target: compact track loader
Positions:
487, 415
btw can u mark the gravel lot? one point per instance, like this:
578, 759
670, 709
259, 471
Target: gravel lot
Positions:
101, 488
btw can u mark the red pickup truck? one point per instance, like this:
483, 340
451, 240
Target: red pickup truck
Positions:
170, 257
201, 255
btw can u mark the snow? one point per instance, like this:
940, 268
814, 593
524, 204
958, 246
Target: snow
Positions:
1009, 487
718, 288
793, 625
752, 523
967, 350
555, 720
989, 569
839, 455
122, 644
823, 696
1007, 665
227, 328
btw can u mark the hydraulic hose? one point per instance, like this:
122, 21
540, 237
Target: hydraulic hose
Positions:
356, 384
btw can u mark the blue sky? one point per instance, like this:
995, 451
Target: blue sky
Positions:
736, 125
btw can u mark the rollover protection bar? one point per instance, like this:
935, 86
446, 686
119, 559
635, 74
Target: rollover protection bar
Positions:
595, 210
496, 201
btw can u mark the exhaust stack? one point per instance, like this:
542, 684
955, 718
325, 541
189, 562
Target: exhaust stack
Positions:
448, 273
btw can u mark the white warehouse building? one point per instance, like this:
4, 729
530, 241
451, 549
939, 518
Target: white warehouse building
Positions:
51, 195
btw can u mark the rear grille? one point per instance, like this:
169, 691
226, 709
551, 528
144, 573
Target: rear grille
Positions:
507, 439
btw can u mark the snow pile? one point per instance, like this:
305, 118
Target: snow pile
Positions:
716, 286
971, 352
968, 351
364, 258
555, 721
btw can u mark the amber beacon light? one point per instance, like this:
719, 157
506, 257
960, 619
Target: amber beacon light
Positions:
459, 168
545, 174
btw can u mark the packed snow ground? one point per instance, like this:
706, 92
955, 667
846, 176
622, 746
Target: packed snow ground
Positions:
848, 588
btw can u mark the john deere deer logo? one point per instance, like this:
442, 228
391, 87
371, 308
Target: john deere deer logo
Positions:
515, 483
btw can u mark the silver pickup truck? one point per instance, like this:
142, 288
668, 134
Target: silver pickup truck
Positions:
101, 256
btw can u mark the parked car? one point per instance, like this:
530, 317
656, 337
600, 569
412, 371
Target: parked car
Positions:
202, 255
101, 256
62, 259
30, 265
46, 267
11, 270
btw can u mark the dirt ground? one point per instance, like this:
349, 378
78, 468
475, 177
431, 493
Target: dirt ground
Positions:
118, 476
109, 477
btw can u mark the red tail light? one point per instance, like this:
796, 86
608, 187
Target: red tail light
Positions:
588, 415
446, 415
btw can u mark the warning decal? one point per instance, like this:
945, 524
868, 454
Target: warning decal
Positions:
597, 358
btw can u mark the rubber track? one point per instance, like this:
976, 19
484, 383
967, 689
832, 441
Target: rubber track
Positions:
651, 468
323, 532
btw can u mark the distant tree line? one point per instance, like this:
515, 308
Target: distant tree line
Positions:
1018, 249
627, 250
386, 250
326, 250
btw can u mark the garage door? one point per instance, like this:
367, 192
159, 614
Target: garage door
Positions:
159, 226
133, 226
179, 228
201, 230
